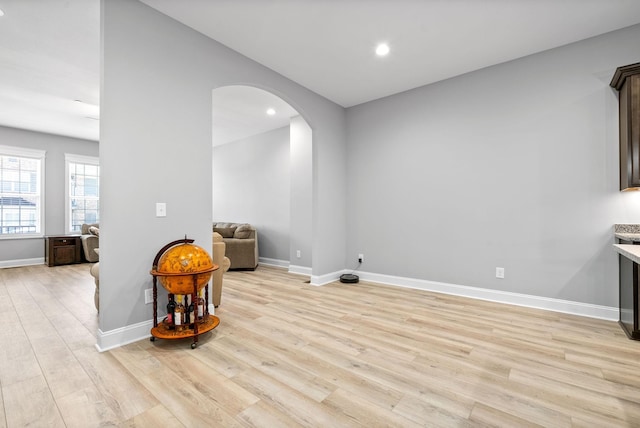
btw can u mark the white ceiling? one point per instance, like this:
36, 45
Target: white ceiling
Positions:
328, 45
240, 111
49, 49
50, 57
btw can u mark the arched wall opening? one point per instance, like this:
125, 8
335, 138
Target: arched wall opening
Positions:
156, 146
262, 161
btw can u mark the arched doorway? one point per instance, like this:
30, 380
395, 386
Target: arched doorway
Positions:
262, 172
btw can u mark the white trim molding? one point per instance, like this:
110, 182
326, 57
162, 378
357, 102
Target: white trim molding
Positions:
124, 335
92, 160
135, 332
273, 262
23, 152
327, 278
21, 262
526, 300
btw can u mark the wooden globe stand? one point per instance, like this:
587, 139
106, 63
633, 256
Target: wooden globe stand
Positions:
198, 326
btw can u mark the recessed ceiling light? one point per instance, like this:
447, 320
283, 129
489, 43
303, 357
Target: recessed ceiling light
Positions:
382, 49
271, 112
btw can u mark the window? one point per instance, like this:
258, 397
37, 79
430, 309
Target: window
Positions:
21, 190
83, 191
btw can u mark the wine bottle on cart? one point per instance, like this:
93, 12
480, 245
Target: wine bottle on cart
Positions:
200, 305
171, 307
178, 317
189, 311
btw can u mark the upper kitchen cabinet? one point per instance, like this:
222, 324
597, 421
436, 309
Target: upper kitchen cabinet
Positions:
626, 80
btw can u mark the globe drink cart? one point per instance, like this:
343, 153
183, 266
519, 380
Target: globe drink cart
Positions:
183, 269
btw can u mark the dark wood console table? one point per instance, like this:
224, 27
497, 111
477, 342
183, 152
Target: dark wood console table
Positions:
62, 250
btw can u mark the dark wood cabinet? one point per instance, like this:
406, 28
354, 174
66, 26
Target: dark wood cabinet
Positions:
626, 80
62, 250
629, 297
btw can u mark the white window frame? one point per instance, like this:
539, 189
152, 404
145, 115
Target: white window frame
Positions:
73, 158
39, 155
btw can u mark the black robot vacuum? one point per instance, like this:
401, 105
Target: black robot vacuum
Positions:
349, 278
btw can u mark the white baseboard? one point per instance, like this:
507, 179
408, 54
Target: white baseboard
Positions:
300, 270
21, 262
124, 335
537, 302
132, 333
273, 262
327, 277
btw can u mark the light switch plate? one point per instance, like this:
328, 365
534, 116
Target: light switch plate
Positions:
161, 209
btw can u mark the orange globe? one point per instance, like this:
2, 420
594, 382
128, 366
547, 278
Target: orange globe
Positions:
180, 263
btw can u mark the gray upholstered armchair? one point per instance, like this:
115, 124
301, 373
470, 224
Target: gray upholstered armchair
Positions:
90, 237
219, 258
95, 273
241, 240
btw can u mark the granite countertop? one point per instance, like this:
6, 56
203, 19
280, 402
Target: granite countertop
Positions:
632, 252
627, 232
633, 237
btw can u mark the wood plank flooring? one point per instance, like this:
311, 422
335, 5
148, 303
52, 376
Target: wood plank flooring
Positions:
289, 354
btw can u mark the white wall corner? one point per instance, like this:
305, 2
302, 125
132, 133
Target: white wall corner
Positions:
124, 335
300, 270
327, 278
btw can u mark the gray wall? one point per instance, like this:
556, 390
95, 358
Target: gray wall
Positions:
12, 250
157, 77
301, 226
251, 185
512, 166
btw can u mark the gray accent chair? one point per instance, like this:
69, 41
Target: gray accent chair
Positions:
241, 241
90, 241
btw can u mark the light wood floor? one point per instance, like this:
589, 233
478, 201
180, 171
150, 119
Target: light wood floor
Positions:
290, 354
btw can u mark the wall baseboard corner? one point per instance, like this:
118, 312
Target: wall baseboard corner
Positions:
115, 338
327, 278
300, 270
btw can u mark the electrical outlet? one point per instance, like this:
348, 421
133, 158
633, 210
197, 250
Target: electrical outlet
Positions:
360, 258
148, 295
500, 272
298, 254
